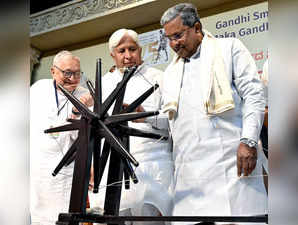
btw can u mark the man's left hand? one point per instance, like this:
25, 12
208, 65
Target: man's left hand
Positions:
246, 159
140, 108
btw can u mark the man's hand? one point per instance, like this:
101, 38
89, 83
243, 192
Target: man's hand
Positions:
87, 100
91, 180
246, 159
140, 108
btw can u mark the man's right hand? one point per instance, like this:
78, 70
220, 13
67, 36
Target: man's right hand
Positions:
87, 100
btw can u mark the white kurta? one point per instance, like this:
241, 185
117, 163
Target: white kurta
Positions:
155, 172
205, 147
49, 195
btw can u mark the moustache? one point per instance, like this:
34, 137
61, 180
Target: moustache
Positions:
71, 85
70, 82
178, 48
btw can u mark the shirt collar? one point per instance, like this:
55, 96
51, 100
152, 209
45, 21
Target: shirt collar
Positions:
196, 55
140, 67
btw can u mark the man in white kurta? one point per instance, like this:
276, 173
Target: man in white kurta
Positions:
49, 107
214, 99
152, 195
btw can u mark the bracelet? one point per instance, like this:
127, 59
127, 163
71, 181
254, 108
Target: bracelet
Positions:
75, 113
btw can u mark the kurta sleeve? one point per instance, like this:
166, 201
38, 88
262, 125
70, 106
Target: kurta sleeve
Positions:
250, 89
160, 121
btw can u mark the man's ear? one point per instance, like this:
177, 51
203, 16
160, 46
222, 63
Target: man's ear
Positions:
52, 71
198, 27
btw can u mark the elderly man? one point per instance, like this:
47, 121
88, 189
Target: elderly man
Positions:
49, 108
215, 103
151, 196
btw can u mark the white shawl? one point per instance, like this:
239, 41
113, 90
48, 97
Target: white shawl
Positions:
216, 89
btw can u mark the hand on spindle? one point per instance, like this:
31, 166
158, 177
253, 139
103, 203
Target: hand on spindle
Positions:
140, 108
87, 100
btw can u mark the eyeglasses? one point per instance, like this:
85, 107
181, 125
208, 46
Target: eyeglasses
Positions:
68, 74
177, 36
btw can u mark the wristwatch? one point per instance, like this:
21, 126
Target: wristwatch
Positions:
251, 143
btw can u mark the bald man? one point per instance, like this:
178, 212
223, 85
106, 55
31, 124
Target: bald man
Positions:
49, 107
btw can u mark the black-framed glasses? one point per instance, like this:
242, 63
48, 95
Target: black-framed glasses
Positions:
177, 36
69, 74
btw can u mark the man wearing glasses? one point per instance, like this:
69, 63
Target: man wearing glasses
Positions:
49, 108
215, 103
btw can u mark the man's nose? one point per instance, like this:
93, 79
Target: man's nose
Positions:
177, 42
127, 54
174, 43
72, 78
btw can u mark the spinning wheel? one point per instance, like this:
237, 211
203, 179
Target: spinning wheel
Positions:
93, 127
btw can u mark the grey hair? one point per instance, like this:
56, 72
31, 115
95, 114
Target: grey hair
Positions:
187, 11
62, 54
119, 34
